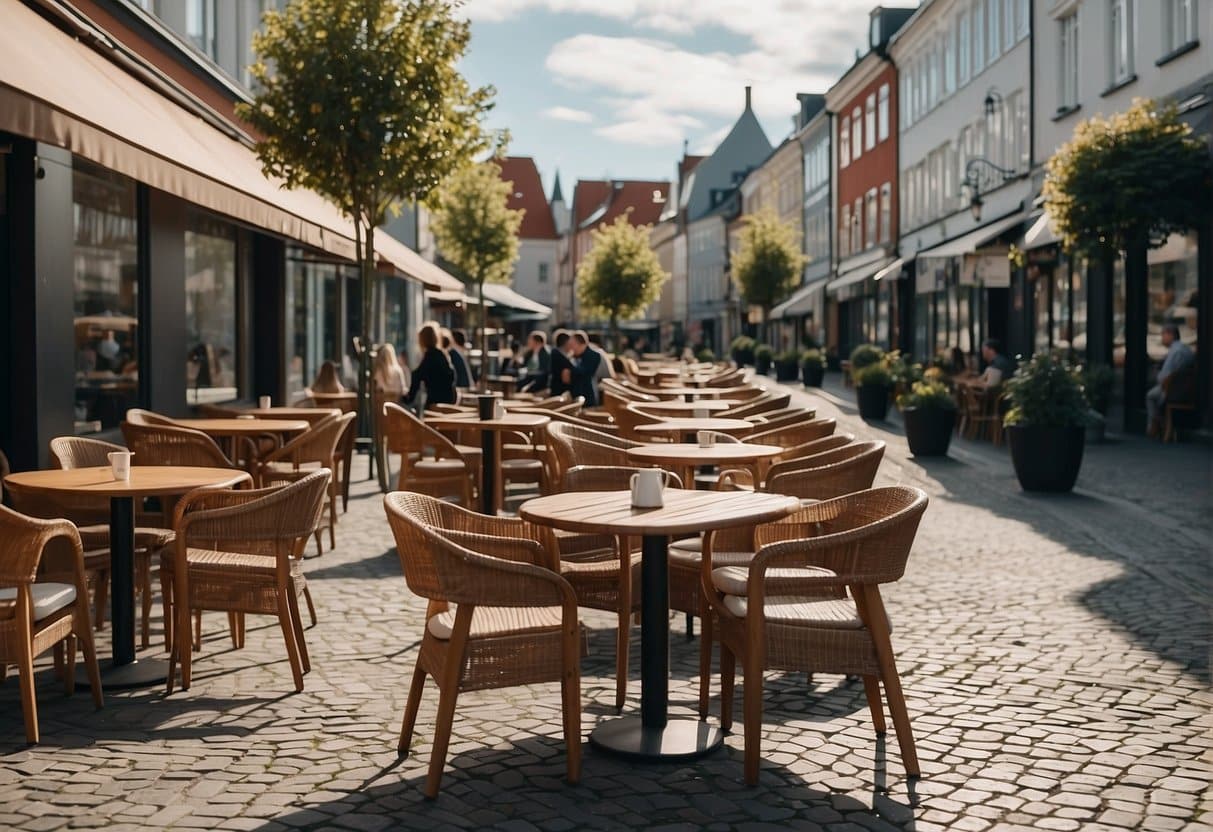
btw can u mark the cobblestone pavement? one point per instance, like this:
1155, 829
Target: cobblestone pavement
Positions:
1054, 651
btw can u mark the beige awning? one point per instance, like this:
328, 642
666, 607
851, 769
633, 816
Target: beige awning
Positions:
1040, 234
857, 275
412, 264
973, 240
799, 303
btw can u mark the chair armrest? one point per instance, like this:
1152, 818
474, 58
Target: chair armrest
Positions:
468, 577
516, 549
733, 479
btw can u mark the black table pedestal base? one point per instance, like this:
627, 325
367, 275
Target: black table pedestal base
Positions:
143, 673
680, 739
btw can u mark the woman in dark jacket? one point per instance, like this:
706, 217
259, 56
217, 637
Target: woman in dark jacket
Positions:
434, 371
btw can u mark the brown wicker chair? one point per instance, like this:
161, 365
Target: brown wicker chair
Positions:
787, 436
138, 416
91, 514
760, 405
566, 445
156, 444
39, 614
449, 472
829, 474
241, 552
821, 608
514, 621
779, 419
816, 446
318, 447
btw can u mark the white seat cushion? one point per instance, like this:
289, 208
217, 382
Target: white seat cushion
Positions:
731, 580
49, 597
689, 553
837, 613
439, 466
494, 621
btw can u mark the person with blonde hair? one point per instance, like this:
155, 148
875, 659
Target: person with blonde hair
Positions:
328, 380
434, 371
390, 378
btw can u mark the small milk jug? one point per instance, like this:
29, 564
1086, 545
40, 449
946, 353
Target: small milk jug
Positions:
647, 486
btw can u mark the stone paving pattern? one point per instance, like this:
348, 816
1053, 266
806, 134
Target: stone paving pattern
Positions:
1054, 652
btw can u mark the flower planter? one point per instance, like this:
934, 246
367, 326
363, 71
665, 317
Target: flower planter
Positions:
762, 366
786, 370
929, 430
1046, 458
814, 374
873, 401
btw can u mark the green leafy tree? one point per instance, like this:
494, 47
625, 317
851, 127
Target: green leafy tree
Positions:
767, 263
477, 231
620, 276
1122, 184
361, 101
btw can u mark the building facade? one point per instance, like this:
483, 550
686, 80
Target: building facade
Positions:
538, 242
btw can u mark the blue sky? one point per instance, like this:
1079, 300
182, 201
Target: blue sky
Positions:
610, 88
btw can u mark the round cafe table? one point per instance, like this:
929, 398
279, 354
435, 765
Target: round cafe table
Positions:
691, 426
123, 671
690, 394
676, 408
490, 445
653, 735
233, 430
308, 414
689, 455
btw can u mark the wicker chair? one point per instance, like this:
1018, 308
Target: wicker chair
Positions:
816, 446
787, 436
91, 514
39, 614
829, 474
566, 445
318, 447
806, 620
760, 405
156, 444
514, 621
139, 416
449, 472
782, 418
241, 552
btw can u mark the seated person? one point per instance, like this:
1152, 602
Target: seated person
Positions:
1179, 357
998, 366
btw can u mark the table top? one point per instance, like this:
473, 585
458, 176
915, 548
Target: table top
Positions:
284, 412
685, 511
510, 421
342, 396
711, 405
719, 453
237, 427
145, 481
692, 425
707, 392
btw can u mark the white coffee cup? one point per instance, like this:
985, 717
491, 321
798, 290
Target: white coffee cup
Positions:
264, 402
647, 486
707, 438
498, 409
120, 463
700, 412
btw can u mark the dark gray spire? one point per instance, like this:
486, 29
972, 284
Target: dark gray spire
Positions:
557, 196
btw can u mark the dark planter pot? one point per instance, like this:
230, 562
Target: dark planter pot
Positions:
786, 370
873, 401
762, 366
743, 357
1046, 458
814, 374
929, 430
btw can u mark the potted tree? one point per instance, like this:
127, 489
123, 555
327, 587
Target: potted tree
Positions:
763, 355
742, 350
929, 411
787, 365
1046, 423
813, 363
872, 385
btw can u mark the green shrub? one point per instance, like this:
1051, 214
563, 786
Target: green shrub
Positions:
1046, 392
865, 354
876, 375
1097, 382
813, 356
705, 355
900, 368
763, 352
927, 394
788, 357
742, 349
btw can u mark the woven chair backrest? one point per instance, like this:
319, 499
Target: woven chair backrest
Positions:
77, 452
24, 541
81, 452
318, 443
266, 521
831, 474
139, 416
406, 434
796, 434
164, 445
606, 478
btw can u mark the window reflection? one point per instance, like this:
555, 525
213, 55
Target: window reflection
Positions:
106, 296
210, 311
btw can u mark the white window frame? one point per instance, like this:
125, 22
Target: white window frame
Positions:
1067, 64
886, 212
871, 218
857, 226
979, 38
882, 113
949, 62
1008, 23
1180, 24
1120, 41
844, 142
856, 132
964, 50
993, 30
869, 121
844, 231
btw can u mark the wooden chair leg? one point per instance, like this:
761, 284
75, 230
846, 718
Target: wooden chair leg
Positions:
752, 718
233, 628
288, 636
58, 656
101, 597
69, 666
705, 658
879, 628
871, 688
570, 691
311, 607
166, 602
29, 702
728, 671
410, 710
623, 623
333, 520
292, 600
145, 583
84, 635
448, 693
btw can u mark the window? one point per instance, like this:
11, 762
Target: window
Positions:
1179, 24
870, 218
882, 114
869, 121
993, 42
844, 232
963, 53
856, 133
1023, 20
105, 261
949, 63
932, 79
200, 25
210, 310
1120, 26
1067, 93
1008, 23
543, 272
979, 38
857, 226
844, 142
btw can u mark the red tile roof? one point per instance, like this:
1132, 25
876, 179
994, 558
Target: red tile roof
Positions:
588, 196
528, 194
688, 164
601, 202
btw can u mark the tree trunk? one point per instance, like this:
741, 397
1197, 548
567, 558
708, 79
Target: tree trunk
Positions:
1137, 299
482, 383
615, 332
762, 326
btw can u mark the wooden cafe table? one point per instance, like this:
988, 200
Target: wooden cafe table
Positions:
684, 427
690, 394
233, 430
690, 455
677, 408
123, 670
490, 445
653, 735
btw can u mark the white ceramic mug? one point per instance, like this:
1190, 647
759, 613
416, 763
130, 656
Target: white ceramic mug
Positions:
647, 486
498, 409
264, 402
700, 412
707, 438
120, 463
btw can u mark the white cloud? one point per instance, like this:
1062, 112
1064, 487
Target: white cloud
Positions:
707, 144
568, 114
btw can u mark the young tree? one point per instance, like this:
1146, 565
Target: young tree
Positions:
766, 265
477, 232
621, 275
1122, 184
361, 101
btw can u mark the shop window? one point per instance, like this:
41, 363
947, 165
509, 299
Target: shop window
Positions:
1173, 293
105, 268
212, 365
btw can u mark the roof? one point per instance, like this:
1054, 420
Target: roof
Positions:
528, 195
688, 164
588, 196
645, 199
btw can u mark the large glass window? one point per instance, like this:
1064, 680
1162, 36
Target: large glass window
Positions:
212, 365
200, 24
870, 218
1120, 40
106, 296
1174, 297
1068, 75
1180, 24
964, 60
994, 42
844, 142
886, 212
869, 121
856, 133
979, 38
314, 319
883, 113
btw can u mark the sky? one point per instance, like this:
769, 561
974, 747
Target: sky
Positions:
610, 88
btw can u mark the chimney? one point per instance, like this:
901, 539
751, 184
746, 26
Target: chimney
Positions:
747, 96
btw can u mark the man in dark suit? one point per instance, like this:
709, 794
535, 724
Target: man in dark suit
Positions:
561, 368
538, 363
587, 362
